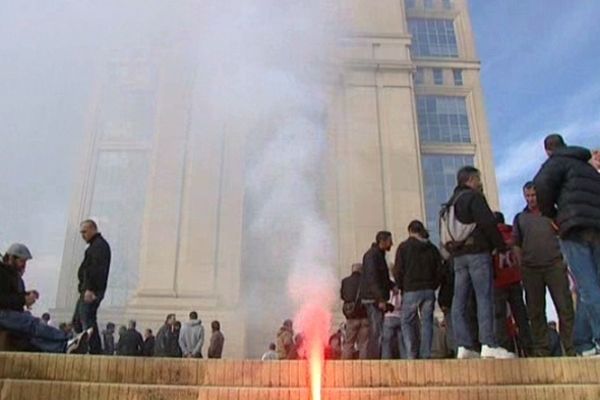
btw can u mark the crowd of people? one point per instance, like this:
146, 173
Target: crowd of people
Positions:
489, 278
81, 334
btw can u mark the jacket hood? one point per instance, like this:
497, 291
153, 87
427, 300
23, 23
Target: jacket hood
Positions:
579, 153
195, 322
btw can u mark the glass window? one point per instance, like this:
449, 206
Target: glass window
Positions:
127, 108
428, 3
118, 202
438, 76
439, 181
433, 37
127, 116
419, 77
458, 78
409, 4
443, 119
448, 4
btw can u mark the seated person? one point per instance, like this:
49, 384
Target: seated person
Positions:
14, 299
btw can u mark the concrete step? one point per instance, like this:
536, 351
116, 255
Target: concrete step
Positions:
46, 390
294, 374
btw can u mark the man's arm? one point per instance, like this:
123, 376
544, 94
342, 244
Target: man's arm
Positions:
198, 349
548, 183
484, 217
183, 344
140, 344
398, 269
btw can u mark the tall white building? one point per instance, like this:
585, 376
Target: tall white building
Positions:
407, 113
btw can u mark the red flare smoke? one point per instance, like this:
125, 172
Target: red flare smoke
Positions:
314, 321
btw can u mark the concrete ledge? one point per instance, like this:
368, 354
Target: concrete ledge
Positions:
34, 390
294, 374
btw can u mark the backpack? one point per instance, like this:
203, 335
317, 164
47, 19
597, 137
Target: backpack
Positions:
453, 233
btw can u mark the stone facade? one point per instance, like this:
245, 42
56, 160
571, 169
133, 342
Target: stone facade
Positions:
183, 192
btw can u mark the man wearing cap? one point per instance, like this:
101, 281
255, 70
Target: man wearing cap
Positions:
93, 279
14, 299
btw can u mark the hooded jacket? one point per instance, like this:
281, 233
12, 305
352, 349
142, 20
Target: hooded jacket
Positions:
191, 338
418, 265
568, 191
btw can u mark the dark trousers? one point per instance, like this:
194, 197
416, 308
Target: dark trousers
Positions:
535, 281
512, 296
85, 317
375, 316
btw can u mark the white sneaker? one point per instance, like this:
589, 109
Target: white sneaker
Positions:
465, 354
496, 352
74, 345
591, 353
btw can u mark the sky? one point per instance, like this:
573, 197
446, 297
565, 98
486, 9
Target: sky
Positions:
540, 63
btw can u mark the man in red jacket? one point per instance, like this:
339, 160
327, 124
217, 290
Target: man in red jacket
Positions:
508, 290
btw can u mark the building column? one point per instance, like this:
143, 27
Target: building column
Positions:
162, 214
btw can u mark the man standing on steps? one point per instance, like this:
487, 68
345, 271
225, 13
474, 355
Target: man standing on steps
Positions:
473, 270
93, 278
375, 287
191, 337
543, 267
357, 324
131, 342
568, 192
217, 341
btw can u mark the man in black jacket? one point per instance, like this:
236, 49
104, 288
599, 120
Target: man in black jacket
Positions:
418, 273
166, 338
130, 342
568, 191
93, 278
13, 301
148, 343
357, 324
473, 267
375, 287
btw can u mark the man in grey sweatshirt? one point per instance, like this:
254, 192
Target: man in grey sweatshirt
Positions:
191, 337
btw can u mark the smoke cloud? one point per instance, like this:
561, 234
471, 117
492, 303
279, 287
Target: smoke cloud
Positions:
264, 69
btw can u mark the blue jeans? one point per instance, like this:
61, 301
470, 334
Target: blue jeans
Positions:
582, 331
85, 317
417, 341
473, 272
584, 261
375, 316
40, 335
392, 345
